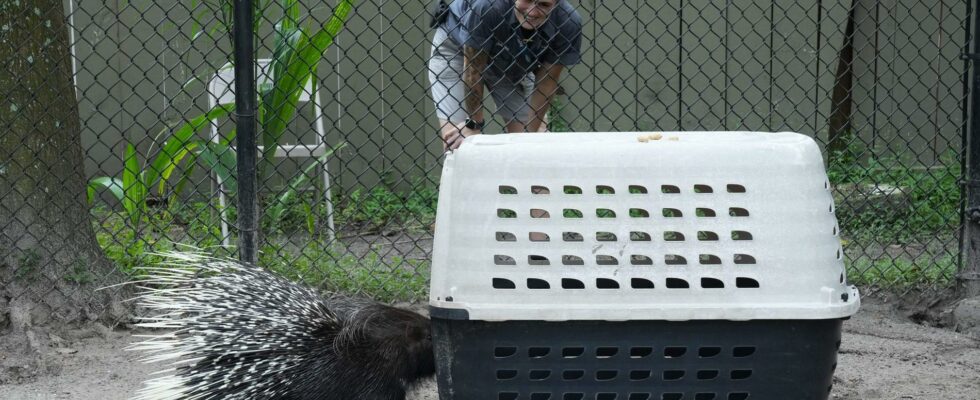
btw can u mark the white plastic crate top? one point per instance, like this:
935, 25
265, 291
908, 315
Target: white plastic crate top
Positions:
625, 226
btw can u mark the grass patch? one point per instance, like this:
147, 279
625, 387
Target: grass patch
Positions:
931, 197
902, 273
323, 265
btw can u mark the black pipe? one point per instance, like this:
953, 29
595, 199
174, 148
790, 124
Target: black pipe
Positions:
968, 279
245, 125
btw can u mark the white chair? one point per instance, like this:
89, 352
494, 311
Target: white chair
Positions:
221, 90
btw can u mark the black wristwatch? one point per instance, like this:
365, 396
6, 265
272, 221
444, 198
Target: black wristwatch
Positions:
471, 124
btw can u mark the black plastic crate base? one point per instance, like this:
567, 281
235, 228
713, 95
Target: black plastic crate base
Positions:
636, 360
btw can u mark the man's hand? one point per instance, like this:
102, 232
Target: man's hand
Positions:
453, 135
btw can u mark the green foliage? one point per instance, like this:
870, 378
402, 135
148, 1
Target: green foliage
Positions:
28, 265
381, 206
932, 195
556, 122
902, 273
80, 273
315, 262
136, 184
278, 208
296, 54
391, 280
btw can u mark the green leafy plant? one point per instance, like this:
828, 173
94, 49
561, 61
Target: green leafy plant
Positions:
296, 54
138, 183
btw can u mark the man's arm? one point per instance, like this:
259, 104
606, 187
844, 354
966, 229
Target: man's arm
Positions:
474, 63
545, 87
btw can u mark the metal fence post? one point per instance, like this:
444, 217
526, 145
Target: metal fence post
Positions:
969, 275
245, 106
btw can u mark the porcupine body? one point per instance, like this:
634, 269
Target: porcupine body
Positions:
240, 332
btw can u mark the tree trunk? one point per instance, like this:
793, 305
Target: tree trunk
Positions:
50, 262
839, 132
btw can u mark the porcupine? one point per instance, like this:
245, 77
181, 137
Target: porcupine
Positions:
241, 332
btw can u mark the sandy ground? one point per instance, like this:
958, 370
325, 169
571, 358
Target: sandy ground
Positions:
883, 356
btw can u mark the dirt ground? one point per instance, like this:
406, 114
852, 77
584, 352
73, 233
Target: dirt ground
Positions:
884, 355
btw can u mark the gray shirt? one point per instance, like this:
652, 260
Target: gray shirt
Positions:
491, 25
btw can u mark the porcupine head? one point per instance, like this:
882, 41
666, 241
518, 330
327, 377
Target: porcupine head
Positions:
236, 331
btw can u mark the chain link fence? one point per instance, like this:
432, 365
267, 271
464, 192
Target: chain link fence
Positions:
349, 171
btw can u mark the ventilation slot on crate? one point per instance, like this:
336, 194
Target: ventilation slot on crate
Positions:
572, 375
605, 237
738, 212
538, 374
640, 352
733, 188
501, 283
606, 352
708, 352
677, 283
504, 352
606, 260
569, 283
534, 283
741, 374
674, 259
506, 374
712, 283
706, 375
640, 236
637, 259
506, 237
639, 375
572, 260
674, 352
640, 283
538, 260
500, 259
572, 352
673, 375
709, 259
606, 283
703, 189
605, 213
506, 213
538, 237
746, 283
605, 375
707, 236
704, 212
743, 351
539, 213
741, 235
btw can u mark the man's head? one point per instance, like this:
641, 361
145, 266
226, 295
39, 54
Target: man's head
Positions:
533, 13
